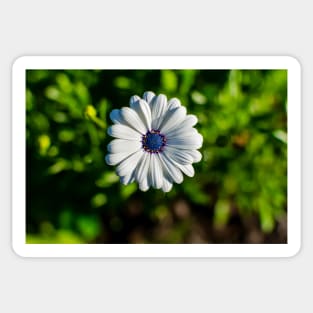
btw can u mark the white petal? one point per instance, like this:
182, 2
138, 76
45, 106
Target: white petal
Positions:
132, 118
191, 142
133, 99
143, 185
189, 121
127, 166
178, 155
181, 132
184, 126
173, 104
171, 171
172, 119
113, 159
143, 110
128, 179
148, 96
158, 107
155, 172
196, 155
124, 132
187, 169
142, 168
116, 117
122, 145
167, 186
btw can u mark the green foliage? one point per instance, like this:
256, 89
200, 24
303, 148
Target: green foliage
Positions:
74, 197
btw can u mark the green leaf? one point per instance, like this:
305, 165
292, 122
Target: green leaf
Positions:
99, 200
127, 191
221, 212
89, 226
169, 80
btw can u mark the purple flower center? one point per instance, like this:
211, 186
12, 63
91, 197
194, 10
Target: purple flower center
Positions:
153, 141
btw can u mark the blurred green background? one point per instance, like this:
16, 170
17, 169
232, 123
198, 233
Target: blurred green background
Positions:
239, 192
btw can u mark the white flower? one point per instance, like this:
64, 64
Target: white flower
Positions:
155, 142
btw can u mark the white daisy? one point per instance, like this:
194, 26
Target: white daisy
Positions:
155, 144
